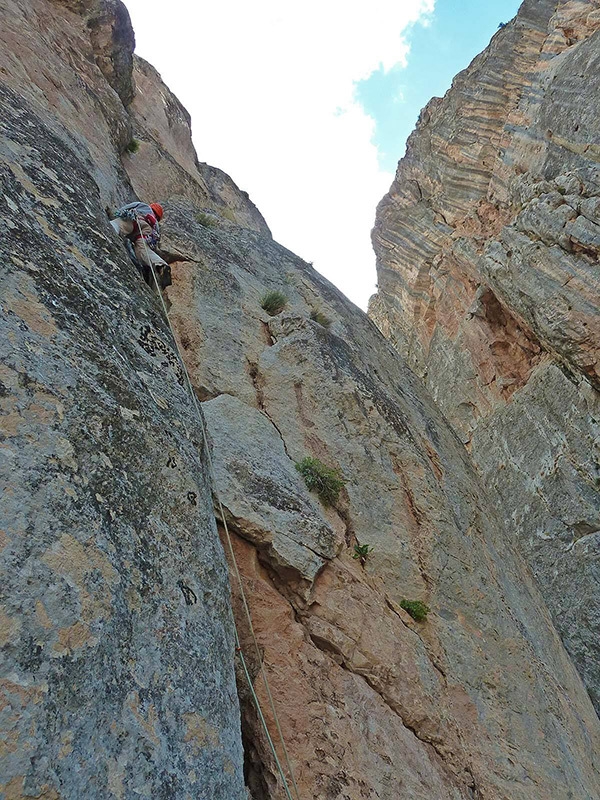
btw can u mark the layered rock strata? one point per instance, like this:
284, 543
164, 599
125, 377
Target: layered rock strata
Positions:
118, 662
487, 248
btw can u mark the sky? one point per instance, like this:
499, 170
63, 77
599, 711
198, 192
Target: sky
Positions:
307, 106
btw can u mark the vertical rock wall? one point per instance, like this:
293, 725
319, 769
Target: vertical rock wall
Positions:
477, 701
115, 619
116, 632
487, 248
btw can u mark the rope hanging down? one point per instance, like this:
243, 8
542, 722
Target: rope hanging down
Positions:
234, 564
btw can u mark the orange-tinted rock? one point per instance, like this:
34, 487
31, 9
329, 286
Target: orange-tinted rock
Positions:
340, 653
488, 246
116, 627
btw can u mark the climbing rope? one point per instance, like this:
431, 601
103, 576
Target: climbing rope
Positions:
234, 564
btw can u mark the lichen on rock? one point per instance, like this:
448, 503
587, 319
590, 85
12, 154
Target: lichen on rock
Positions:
116, 617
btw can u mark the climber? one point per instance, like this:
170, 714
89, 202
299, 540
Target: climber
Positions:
138, 223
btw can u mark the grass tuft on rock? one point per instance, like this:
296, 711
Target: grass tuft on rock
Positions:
228, 214
320, 318
325, 481
417, 609
206, 220
273, 302
132, 146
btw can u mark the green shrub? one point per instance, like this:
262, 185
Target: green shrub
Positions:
326, 482
361, 551
273, 302
206, 220
321, 318
417, 610
132, 146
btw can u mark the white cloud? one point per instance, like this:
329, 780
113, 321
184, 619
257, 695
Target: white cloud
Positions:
270, 87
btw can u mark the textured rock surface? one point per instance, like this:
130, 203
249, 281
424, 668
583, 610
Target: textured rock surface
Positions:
114, 591
263, 493
115, 623
488, 247
370, 701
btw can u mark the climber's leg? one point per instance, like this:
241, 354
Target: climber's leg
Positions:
146, 255
122, 226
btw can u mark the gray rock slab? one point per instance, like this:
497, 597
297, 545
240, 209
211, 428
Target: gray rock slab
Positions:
116, 632
263, 493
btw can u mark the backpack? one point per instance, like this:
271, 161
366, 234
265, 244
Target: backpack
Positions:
134, 210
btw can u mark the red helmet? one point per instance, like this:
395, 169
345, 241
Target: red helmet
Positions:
158, 210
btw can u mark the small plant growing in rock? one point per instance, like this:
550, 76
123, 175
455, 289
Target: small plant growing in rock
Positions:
228, 214
325, 481
273, 303
206, 220
320, 318
132, 146
361, 552
417, 609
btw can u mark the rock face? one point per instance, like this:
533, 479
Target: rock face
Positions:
115, 625
114, 590
370, 702
487, 247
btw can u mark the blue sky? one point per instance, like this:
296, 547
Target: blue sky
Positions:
307, 106
456, 32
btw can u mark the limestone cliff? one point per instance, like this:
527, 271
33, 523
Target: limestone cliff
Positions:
115, 618
487, 247
116, 632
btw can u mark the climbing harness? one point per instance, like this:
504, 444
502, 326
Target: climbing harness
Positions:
152, 238
238, 646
